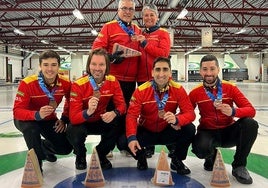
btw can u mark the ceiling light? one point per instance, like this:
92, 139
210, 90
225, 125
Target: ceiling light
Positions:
94, 32
243, 30
44, 41
182, 13
216, 41
19, 32
78, 14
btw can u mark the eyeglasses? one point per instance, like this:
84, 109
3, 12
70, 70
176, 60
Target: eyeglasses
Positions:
125, 9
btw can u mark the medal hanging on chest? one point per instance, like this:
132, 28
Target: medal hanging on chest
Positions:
161, 113
53, 104
217, 102
160, 103
49, 94
218, 99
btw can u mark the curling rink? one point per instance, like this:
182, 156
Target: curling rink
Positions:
124, 174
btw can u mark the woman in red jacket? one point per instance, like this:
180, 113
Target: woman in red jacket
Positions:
90, 96
154, 42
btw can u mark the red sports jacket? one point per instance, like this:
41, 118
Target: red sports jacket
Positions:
143, 106
210, 118
112, 33
82, 91
157, 44
30, 98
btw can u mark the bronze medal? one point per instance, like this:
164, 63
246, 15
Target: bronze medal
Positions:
161, 113
53, 104
134, 38
97, 94
217, 102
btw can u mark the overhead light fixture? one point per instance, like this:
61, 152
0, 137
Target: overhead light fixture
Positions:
19, 32
243, 30
45, 41
216, 41
94, 32
182, 13
78, 14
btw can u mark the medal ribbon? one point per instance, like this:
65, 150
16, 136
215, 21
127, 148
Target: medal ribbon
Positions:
128, 30
160, 103
93, 83
43, 86
219, 94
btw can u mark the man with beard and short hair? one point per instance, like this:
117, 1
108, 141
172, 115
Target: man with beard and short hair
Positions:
219, 102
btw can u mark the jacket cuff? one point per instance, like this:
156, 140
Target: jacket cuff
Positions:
233, 111
176, 122
117, 113
65, 119
37, 116
131, 138
85, 115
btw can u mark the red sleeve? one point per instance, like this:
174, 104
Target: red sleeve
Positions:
186, 114
76, 104
162, 49
102, 39
244, 107
133, 112
118, 98
21, 110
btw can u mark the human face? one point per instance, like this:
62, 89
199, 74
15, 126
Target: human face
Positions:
97, 67
50, 68
209, 72
126, 11
149, 18
161, 74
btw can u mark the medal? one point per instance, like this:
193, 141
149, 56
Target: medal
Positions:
161, 113
53, 104
97, 94
134, 38
217, 102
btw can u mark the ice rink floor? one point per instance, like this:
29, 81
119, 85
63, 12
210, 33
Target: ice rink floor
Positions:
124, 173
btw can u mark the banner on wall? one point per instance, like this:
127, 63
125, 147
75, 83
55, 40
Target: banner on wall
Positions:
206, 37
65, 65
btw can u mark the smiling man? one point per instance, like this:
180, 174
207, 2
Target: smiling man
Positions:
37, 98
90, 96
219, 103
155, 104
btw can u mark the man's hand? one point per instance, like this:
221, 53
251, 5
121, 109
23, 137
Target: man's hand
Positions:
134, 146
46, 111
92, 105
225, 109
107, 117
59, 126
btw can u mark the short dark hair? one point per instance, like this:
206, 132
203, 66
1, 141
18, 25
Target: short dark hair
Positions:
98, 51
49, 54
209, 57
162, 59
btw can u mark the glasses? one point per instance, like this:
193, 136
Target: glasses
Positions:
125, 9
